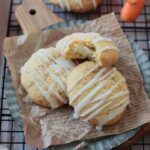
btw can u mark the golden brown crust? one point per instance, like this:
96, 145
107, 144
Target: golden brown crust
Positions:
90, 46
116, 119
44, 78
107, 57
39, 99
75, 7
85, 75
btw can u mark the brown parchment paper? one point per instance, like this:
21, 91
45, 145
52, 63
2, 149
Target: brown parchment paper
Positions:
44, 127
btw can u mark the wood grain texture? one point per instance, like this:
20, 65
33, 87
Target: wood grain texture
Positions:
4, 13
34, 15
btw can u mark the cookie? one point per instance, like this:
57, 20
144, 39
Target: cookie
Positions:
89, 45
78, 6
44, 78
99, 95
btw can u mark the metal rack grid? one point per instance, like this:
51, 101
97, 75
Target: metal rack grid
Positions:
10, 135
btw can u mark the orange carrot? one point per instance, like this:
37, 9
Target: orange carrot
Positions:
132, 9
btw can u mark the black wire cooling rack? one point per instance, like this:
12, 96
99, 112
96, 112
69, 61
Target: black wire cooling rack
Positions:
10, 135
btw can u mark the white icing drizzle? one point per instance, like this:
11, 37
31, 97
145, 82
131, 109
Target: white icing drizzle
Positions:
110, 116
56, 78
84, 36
65, 43
87, 99
61, 98
42, 53
100, 97
109, 47
53, 103
99, 110
80, 78
80, 3
65, 64
60, 66
58, 69
102, 39
108, 92
101, 102
58, 81
67, 40
89, 84
52, 89
94, 3
121, 102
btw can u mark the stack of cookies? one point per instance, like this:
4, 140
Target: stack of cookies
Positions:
93, 87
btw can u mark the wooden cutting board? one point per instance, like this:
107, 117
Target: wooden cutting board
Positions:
35, 15
4, 14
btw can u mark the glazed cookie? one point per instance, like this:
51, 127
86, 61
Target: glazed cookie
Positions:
99, 95
78, 6
44, 77
89, 45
